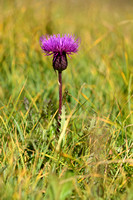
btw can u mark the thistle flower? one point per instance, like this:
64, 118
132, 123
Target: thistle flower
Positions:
59, 47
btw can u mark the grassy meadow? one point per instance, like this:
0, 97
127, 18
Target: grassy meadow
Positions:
92, 156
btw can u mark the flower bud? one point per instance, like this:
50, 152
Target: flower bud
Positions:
60, 62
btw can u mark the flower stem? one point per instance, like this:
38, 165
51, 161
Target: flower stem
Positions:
60, 94
60, 101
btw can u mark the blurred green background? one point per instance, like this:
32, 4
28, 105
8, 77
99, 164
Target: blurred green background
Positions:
97, 83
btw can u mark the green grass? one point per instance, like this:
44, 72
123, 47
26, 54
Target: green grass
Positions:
92, 157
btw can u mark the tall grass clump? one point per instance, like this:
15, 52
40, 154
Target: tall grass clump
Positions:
92, 155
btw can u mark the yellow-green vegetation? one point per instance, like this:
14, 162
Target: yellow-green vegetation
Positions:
91, 158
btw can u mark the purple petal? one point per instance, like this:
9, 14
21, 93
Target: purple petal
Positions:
57, 44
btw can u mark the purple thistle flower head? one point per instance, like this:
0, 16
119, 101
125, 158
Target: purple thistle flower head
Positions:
59, 47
